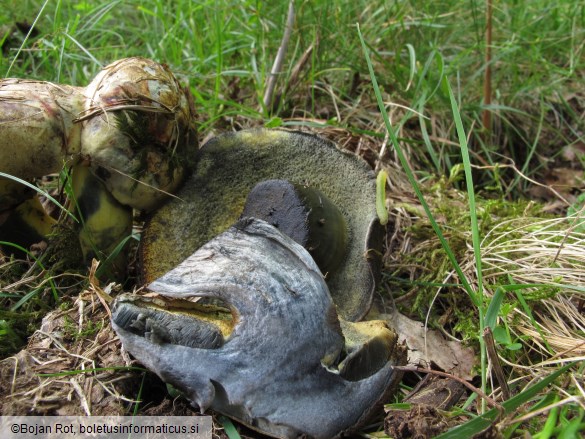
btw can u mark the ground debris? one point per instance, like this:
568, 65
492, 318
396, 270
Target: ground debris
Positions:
69, 342
425, 417
421, 421
71, 366
435, 391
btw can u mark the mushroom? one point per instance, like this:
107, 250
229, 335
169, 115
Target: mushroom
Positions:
229, 166
128, 138
277, 357
137, 131
38, 136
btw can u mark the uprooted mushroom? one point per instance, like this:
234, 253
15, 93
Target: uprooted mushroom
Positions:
257, 279
127, 138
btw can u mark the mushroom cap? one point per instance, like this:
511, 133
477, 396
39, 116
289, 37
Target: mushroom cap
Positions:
287, 366
306, 215
138, 131
230, 165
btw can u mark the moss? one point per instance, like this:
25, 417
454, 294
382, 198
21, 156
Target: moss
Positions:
88, 330
64, 251
32, 289
424, 272
15, 328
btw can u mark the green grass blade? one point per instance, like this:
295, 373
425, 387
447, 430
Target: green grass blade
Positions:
410, 174
481, 422
37, 262
531, 150
573, 428
533, 321
105, 265
139, 395
496, 302
84, 50
479, 299
546, 400
494, 308
434, 56
412, 71
25, 298
228, 427
426, 139
40, 191
26, 38
381, 197
469, 185
551, 421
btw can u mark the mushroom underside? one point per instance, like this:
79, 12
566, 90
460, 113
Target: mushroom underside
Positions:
229, 166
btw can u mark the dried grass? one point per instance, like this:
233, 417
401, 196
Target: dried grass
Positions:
547, 252
81, 383
523, 249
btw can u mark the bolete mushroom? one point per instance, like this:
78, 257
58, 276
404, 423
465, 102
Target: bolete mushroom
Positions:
278, 358
227, 169
128, 138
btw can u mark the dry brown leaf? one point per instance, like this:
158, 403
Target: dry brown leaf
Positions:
426, 346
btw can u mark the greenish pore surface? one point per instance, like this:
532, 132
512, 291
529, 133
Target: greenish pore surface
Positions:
230, 165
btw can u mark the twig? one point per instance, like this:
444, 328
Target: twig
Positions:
471, 387
81, 396
94, 285
569, 231
137, 181
534, 182
277, 66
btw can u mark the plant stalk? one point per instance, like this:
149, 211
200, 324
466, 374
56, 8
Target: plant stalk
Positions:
486, 116
277, 66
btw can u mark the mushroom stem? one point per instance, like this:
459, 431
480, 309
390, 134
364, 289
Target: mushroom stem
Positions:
26, 225
105, 223
304, 214
132, 127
